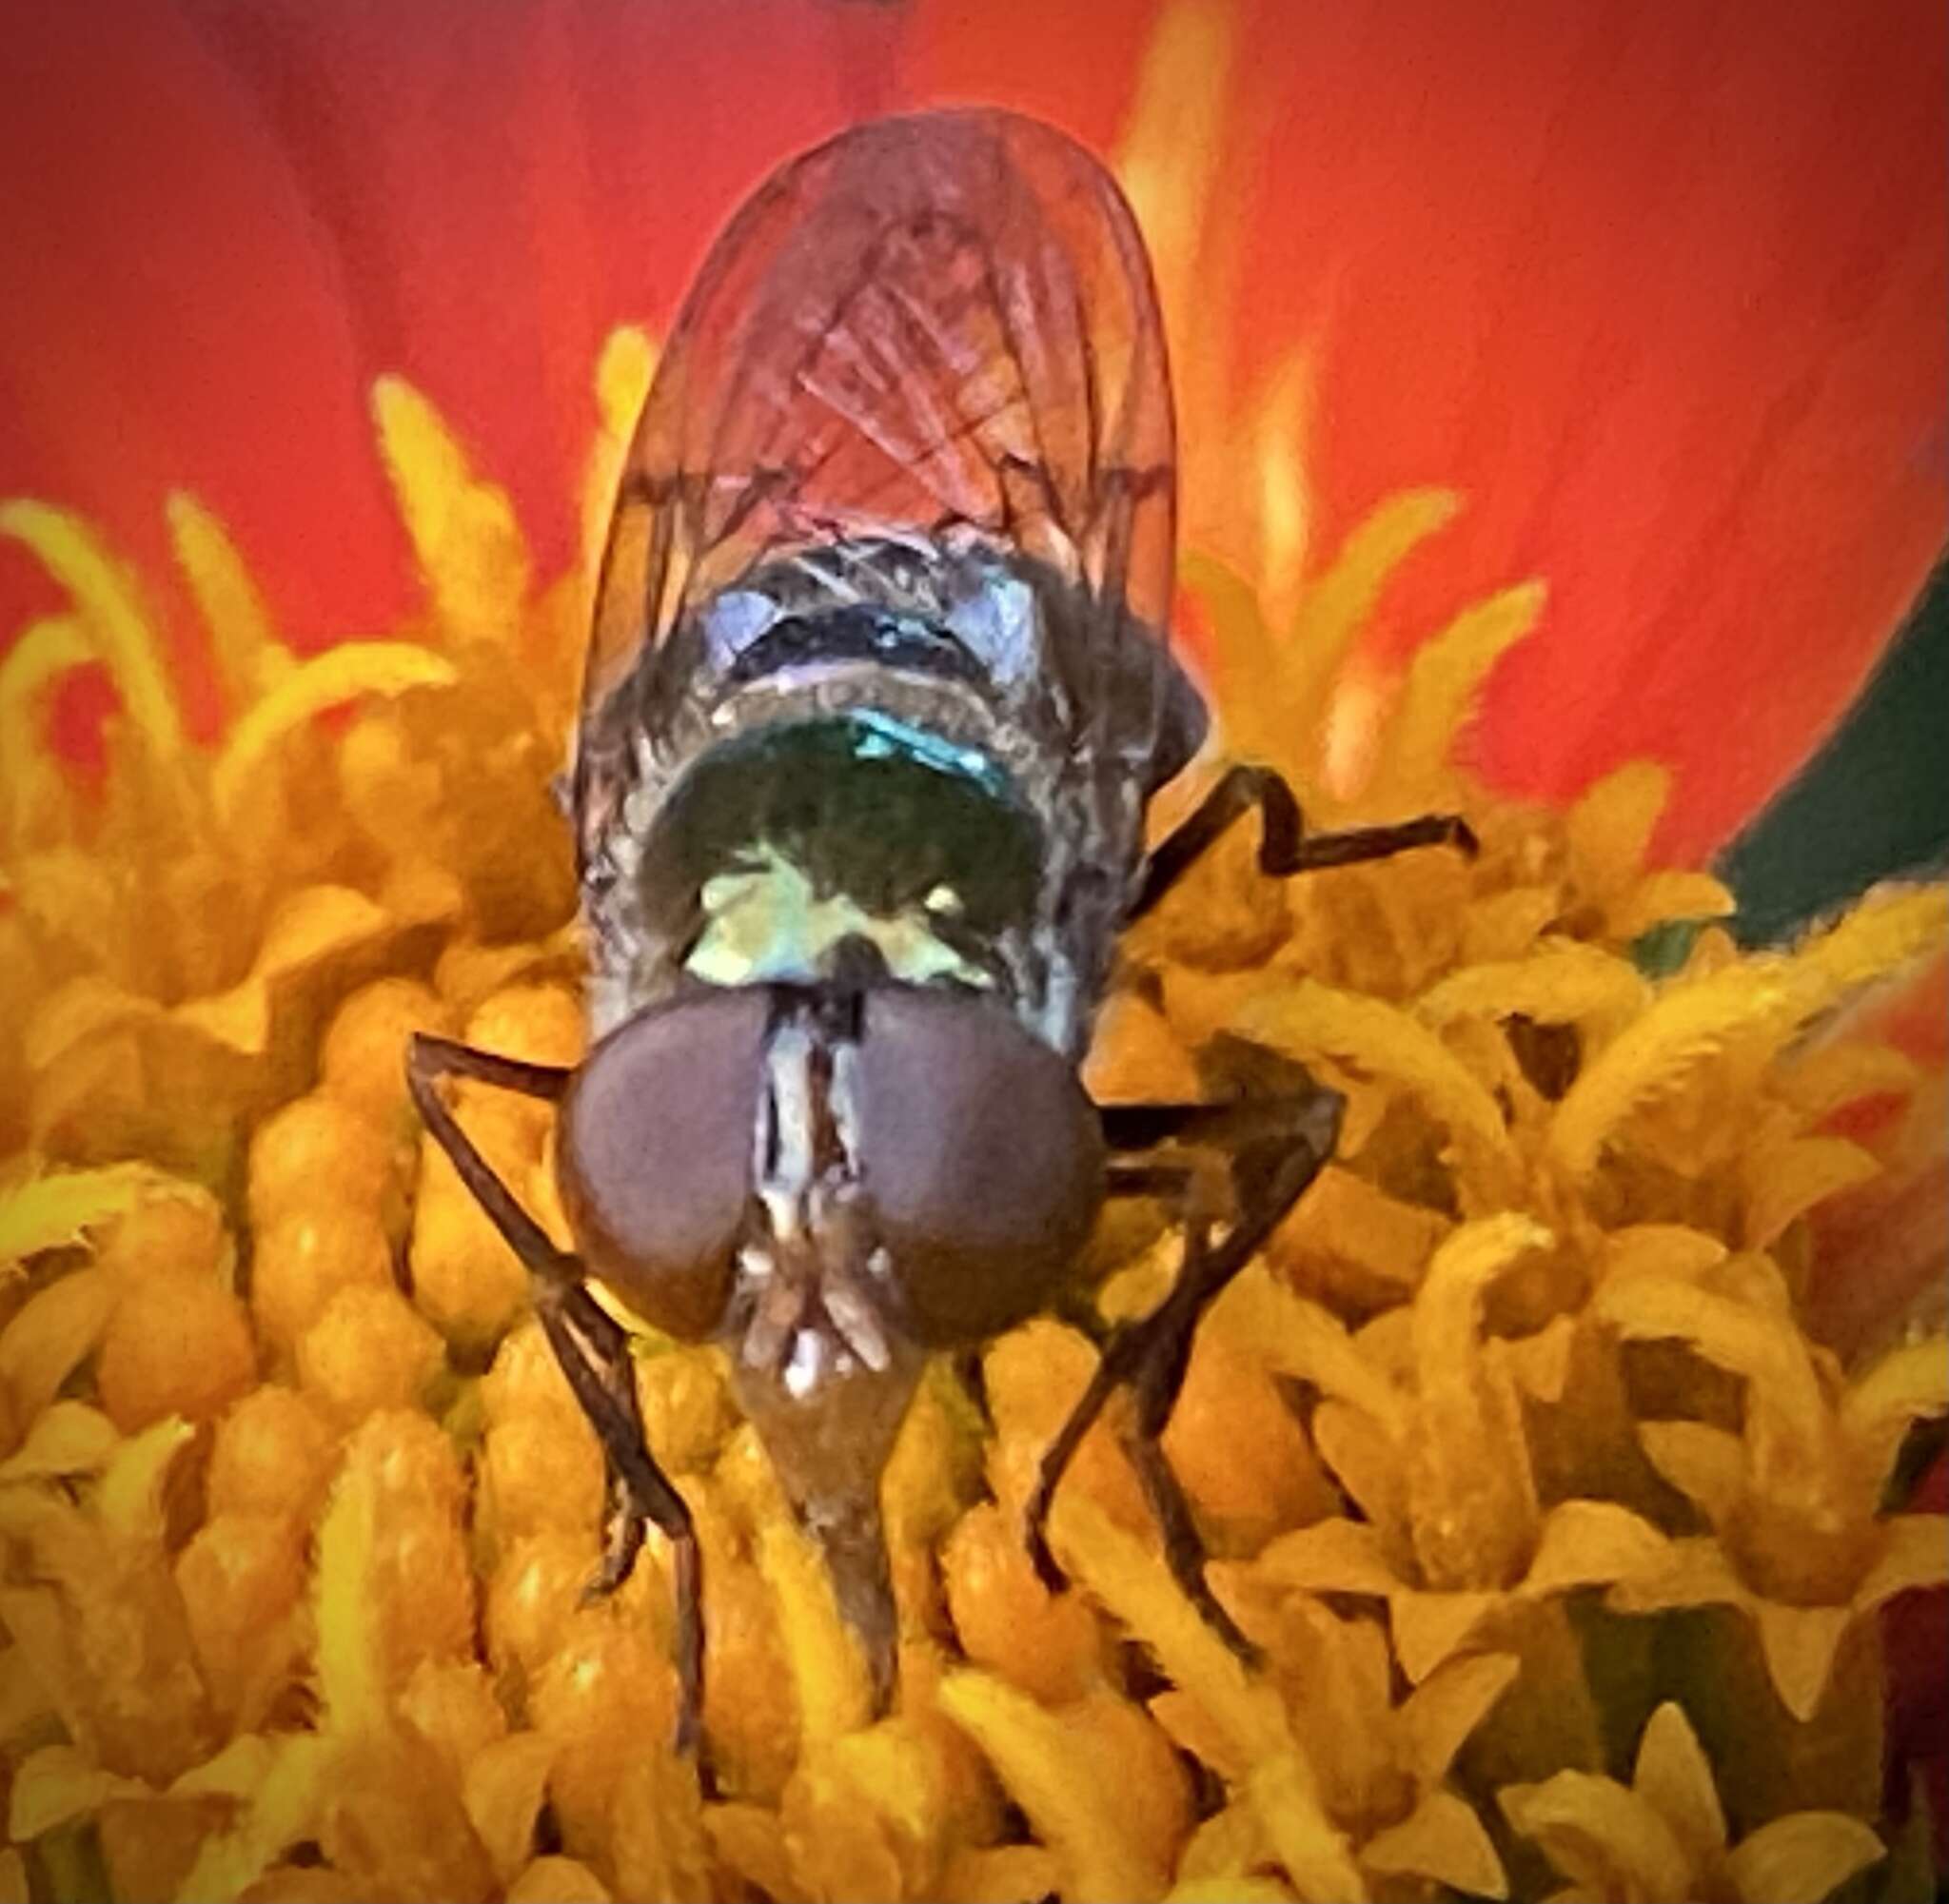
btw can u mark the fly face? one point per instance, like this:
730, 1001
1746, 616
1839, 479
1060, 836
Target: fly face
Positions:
876, 695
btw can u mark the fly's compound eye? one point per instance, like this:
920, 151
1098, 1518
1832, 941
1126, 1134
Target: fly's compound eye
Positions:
655, 1147
981, 1157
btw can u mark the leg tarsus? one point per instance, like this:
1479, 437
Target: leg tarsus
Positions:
624, 1522
593, 1354
1285, 847
1355, 844
1184, 1547
1240, 789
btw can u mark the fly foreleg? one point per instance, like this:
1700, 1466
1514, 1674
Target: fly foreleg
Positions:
1276, 1146
589, 1344
1285, 846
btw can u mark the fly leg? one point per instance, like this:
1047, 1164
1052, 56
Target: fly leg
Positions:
1277, 1145
1285, 847
589, 1344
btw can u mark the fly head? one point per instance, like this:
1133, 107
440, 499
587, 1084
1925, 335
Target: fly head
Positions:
832, 1179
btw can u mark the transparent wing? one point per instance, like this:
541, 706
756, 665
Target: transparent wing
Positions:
931, 324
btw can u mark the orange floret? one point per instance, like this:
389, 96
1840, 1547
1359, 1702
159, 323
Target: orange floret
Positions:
533, 1595
686, 1407
362, 1060
607, 1699
240, 1578
394, 1823
541, 1465
369, 1350
451, 1703
1006, 1619
182, 1231
178, 1344
306, 1258
1239, 1448
1034, 1375
396, 1588
273, 1454
558, 1880
149, 1845
1130, 1755
466, 1282
542, 1023
538, 1471
304, 1884
751, 1710
322, 1153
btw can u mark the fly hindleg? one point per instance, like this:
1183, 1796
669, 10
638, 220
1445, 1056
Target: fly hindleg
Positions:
589, 1344
1285, 846
1276, 1146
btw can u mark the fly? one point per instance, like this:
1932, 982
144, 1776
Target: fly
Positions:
878, 693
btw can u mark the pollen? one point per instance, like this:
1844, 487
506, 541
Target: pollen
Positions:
1557, 1529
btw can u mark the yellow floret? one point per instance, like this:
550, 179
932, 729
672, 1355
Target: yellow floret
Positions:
607, 1699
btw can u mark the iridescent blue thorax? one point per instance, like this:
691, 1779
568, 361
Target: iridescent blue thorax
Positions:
810, 834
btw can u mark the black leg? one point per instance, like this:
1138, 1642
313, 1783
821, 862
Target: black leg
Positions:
1184, 1549
1285, 847
589, 1344
1278, 1147
434, 1057
1147, 1180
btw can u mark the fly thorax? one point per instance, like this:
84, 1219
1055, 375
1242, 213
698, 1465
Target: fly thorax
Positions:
784, 845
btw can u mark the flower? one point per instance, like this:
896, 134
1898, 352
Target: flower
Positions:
1664, 1834
1798, 1543
296, 1510
1452, 1535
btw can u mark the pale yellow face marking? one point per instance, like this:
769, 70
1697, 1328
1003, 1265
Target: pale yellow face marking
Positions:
765, 922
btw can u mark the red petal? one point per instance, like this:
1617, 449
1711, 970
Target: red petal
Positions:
505, 183
171, 321
1075, 66
1661, 290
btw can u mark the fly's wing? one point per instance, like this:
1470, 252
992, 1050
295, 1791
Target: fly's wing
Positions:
936, 326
